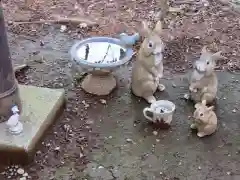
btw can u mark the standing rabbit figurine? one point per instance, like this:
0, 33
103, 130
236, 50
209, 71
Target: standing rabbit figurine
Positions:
204, 82
205, 120
148, 68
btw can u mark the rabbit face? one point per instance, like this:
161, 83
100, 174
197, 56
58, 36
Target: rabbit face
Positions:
152, 44
207, 61
202, 112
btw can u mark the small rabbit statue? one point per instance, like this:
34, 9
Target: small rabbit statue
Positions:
148, 67
204, 81
205, 119
13, 123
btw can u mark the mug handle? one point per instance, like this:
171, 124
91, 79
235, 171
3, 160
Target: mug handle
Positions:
145, 111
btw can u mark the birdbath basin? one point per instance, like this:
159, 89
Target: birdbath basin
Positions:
99, 57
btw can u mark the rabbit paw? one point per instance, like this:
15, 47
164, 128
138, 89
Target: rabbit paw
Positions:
192, 89
161, 87
186, 96
195, 90
204, 90
193, 126
151, 99
200, 134
156, 79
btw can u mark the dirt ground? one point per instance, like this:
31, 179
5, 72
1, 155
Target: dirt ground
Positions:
95, 147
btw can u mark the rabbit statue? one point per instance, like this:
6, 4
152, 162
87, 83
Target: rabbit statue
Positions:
205, 119
148, 67
203, 80
13, 123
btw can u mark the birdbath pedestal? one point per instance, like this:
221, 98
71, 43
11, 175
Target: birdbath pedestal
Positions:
99, 83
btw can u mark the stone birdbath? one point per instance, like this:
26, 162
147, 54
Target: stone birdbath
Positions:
99, 57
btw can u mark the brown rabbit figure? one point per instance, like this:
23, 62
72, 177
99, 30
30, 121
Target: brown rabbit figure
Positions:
205, 120
148, 67
204, 82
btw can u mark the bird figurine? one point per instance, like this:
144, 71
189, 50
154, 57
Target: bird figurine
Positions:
129, 40
13, 123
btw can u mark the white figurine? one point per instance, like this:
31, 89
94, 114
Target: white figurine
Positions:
13, 123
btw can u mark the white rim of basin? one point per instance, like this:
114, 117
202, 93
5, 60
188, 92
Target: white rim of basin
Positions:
74, 57
164, 103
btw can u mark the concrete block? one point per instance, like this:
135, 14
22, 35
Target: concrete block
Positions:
40, 107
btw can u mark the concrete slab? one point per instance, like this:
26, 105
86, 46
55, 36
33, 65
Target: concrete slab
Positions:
40, 107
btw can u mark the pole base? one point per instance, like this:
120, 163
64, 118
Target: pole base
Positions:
99, 85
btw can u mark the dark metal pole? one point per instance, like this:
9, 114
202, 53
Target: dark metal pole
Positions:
9, 94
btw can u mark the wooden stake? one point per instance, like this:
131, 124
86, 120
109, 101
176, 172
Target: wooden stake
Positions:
58, 19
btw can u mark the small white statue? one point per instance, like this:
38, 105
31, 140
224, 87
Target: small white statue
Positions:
13, 123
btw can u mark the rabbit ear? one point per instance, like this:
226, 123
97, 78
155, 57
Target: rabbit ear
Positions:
217, 55
158, 27
204, 102
197, 105
145, 28
204, 49
210, 108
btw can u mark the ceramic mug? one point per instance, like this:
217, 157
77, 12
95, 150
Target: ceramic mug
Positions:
161, 110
